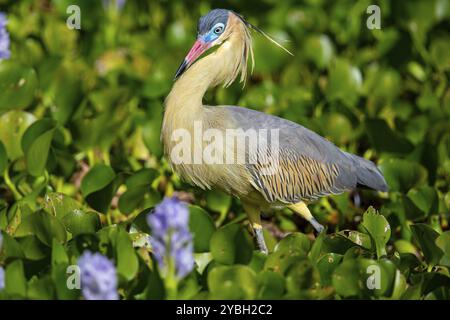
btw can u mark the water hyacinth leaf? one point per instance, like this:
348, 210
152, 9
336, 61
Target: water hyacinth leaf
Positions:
13, 124
142, 178
384, 139
18, 85
36, 145
361, 239
131, 199
150, 131
65, 93
32, 248
59, 254
402, 175
443, 242
48, 227
232, 282
347, 279
326, 266
300, 277
202, 228
59, 204
97, 187
80, 222
379, 230
218, 201
41, 289
439, 50
66, 281
15, 281
231, 244
11, 247
96, 179
319, 49
316, 248
271, 285
421, 202
344, 83
127, 261
294, 243
3, 158
426, 238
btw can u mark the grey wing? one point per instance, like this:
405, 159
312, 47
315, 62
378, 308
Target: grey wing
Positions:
308, 167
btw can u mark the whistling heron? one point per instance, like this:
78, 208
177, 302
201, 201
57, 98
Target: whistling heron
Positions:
309, 166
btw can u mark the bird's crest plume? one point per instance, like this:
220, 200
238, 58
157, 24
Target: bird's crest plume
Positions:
262, 32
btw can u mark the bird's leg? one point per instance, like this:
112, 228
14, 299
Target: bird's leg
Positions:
255, 220
301, 209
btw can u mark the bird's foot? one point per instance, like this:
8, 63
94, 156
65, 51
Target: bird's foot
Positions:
260, 239
316, 225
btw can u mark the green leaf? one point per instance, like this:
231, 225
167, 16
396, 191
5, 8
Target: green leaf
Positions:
11, 247
294, 243
33, 249
15, 281
344, 83
300, 277
361, 239
231, 244
271, 285
62, 275
131, 199
142, 178
36, 145
3, 158
97, 187
232, 282
59, 204
127, 261
41, 289
218, 201
402, 175
384, 139
421, 202
48, 227
80, 222
326, 266
12, 127
426, 238
59, 254
18, 86
202, 228
379, 230
443, 242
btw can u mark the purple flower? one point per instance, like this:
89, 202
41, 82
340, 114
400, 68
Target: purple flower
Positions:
2, 278
98, 277
4, 38
118, 3
171, 239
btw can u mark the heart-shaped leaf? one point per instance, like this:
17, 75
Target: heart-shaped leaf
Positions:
202, 228
231, 244
379, 230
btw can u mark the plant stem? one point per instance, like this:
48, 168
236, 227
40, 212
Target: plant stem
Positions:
11, 185
171, 281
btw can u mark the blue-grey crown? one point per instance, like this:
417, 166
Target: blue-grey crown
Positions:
209, 20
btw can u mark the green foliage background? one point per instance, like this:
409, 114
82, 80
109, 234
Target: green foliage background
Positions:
81, 161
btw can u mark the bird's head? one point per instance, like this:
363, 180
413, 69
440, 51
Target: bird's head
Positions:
214, 29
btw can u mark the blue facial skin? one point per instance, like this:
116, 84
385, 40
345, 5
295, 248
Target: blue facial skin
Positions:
209, 37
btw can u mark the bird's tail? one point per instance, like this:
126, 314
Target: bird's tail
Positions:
368, 175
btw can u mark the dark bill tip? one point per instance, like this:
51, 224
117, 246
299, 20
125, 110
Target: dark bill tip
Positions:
181, 69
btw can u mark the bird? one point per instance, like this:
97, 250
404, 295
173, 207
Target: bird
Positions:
308, 165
